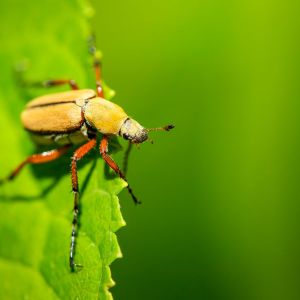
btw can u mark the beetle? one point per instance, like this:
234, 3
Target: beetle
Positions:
77, 117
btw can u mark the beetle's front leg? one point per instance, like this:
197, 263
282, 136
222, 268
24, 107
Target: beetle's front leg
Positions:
112, 164
126, 157
78, 154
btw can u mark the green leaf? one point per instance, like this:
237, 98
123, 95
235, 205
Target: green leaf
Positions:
36, 209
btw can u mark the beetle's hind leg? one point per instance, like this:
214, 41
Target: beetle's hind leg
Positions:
40, 158
78, 154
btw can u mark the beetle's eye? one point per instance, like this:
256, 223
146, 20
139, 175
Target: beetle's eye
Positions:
126, 136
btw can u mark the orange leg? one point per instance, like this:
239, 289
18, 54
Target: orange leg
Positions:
78, 154
49, 83
97, 66
45, 83
98, 73
114, 166
38, 159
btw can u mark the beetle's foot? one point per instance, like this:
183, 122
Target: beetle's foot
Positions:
76, 267
20, 68
169, 127
137, 201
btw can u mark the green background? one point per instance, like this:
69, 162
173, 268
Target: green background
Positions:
220, 193
220, 213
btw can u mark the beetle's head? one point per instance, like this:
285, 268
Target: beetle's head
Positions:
134, 132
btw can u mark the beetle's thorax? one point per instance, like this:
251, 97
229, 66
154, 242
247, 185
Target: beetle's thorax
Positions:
133, 131
105, 116
109, 118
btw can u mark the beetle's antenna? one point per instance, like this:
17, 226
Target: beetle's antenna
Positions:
165, 128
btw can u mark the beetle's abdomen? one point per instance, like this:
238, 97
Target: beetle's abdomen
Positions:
56, 113
59, 139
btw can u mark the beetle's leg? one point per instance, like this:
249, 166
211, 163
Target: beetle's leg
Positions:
114, 166
21, 68
56, 82
51, 83
97, 65
38, 159
126, 157
78, 154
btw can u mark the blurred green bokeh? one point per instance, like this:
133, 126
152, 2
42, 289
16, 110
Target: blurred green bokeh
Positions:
220, 213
